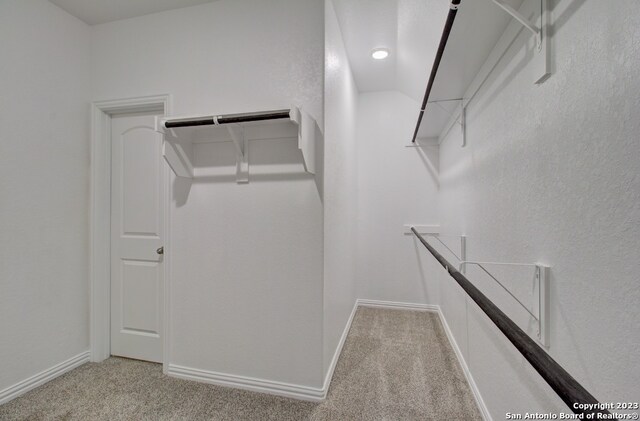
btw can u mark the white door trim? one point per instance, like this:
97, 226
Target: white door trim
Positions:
100, 242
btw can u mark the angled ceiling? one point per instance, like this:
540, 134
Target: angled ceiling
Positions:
94, 12
410, 29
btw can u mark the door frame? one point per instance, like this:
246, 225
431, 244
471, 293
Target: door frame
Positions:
100, 221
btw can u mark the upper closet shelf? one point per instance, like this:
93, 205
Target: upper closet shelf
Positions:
181, 133
476, 35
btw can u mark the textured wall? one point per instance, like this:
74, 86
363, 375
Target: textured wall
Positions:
223, 56
44, 180
246, 260
341, 97
396, 186
550, 174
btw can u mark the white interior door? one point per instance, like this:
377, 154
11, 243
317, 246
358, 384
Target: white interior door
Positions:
136, 238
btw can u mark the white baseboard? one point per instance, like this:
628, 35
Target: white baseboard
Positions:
248, 383
260, 385
268, 386
396, 305
336, 354
34, 381
484, 411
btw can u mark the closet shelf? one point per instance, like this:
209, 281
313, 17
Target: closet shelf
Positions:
476, 35
181, 133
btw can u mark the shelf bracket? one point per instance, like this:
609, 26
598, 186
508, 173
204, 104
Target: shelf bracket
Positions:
179, 135
242, 153
176, 153
541, 298
542, 69
463, 123
537, 32
463, 251
460, 119
306, 137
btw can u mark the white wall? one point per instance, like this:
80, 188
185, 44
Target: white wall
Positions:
246, 260
44, 179
396, 186
550, 174
221, 57
341, 97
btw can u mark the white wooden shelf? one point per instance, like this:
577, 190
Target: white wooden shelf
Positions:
181, 133
480, 34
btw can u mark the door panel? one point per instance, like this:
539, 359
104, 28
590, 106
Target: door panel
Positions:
140, 183
140, 289
136, 234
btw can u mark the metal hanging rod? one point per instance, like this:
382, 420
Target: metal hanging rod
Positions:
227, 119
568, 389
540, 63
451, 16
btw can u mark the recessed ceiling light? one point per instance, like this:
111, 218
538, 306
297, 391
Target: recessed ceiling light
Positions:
380, 53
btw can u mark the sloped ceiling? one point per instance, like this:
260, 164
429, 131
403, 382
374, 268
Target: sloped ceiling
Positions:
410, 29
94, 12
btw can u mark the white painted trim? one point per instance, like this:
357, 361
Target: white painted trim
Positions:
267, 386
319, 394
100, 265
396, 305
336, 354
100, 227
484, 411
248, 383
41, 378
166, 288
284, 389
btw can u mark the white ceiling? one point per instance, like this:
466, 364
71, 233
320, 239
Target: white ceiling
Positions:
410, 29
94, 12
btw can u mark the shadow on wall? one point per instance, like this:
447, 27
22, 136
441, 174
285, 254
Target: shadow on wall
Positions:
516, 67
509, 362
270, 160
509, 55
445, 246
430, 157
562, 18
181, 188
424, 281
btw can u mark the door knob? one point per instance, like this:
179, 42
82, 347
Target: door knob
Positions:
160, 250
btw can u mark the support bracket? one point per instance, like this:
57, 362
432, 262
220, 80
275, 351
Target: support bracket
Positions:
434, 232
458, 115
306, 137
463, 123
181, 133
537, 32
178, 153
463, 251
541, 65
541, 299
242, 153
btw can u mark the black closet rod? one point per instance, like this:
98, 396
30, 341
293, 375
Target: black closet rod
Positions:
453, 9
577, 398
227, 119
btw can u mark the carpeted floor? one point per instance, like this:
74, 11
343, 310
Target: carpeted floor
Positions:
396, 365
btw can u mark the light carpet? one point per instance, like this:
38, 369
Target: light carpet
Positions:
395, 365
